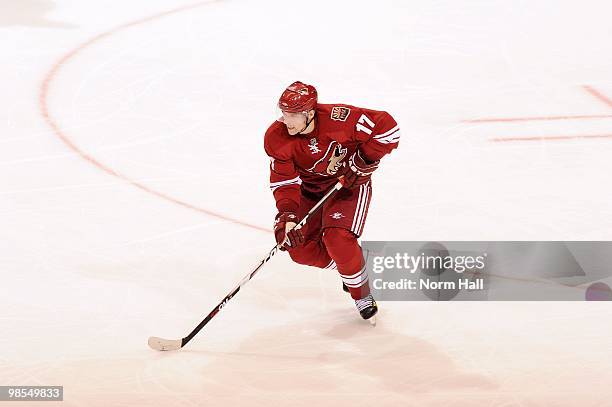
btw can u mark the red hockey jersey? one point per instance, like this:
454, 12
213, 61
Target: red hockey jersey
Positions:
315, 161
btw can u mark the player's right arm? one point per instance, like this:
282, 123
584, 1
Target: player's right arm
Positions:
285, 179
285, 184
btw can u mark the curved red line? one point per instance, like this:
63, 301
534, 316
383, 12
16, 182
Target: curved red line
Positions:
597, 94
44, 110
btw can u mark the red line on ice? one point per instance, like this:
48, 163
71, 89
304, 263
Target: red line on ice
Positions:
44, 109
540, 138
598, 95
537, 118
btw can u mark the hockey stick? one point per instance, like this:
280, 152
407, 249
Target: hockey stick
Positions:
174, 344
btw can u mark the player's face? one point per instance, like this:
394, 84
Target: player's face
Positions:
295, 122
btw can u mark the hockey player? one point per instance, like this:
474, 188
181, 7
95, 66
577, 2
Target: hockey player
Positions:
311, 147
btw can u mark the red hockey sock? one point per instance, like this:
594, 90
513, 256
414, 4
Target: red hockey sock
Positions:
344, 249
312, 253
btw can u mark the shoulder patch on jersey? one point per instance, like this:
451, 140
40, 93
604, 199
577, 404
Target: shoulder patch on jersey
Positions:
340, 113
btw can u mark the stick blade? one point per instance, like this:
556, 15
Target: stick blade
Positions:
162, 344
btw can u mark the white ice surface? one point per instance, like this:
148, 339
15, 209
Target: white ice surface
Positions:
92, 265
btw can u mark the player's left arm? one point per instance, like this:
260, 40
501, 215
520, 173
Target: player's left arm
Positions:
378, 134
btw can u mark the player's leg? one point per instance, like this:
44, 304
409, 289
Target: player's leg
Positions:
342, 246
313, 252
343, 220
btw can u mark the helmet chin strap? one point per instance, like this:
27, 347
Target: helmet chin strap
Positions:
308, 121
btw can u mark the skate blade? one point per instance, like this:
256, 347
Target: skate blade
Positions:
372, 320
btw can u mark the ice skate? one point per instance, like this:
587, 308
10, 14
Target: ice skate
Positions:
367, 308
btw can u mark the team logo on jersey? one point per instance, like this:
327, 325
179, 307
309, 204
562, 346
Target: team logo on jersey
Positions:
331, 162
337, 215
340, 113
314, 146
